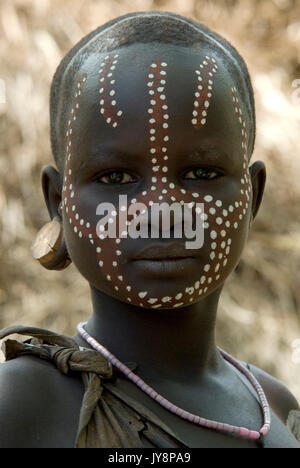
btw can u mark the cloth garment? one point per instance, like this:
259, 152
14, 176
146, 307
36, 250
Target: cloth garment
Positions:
108, 417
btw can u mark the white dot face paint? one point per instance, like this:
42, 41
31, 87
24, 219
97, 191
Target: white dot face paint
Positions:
205, 75
108, 106
221, 219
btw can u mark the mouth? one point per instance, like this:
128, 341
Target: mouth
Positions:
165, 260
162, 253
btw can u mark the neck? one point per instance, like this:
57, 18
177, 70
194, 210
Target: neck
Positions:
169, 344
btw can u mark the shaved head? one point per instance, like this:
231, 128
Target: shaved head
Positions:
144, 28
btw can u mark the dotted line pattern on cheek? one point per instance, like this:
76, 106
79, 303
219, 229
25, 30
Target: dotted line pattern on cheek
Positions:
107, 92
81, 226
219, 220
203, 94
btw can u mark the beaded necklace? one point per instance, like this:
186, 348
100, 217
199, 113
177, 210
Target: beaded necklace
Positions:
210, 424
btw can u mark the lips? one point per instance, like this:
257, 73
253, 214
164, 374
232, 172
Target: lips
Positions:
172, 251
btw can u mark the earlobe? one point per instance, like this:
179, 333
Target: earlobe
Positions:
258, 179
51, 184
49, 246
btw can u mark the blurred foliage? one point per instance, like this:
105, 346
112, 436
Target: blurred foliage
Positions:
259, 311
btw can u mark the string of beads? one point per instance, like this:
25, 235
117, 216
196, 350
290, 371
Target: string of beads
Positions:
242, 431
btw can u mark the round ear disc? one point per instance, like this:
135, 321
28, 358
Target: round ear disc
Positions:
49, 248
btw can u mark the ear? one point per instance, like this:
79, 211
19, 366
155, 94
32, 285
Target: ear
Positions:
51, 184
258, 179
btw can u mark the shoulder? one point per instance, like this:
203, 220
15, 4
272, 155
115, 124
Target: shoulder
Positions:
281, 400
35, 397
33, 371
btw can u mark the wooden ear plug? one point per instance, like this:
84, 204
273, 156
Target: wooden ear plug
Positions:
49, 247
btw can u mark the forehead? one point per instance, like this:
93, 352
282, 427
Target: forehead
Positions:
116, 100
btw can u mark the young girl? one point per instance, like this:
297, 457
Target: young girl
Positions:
151, 108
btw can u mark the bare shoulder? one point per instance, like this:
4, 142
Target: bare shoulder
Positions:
280, 398
35, 398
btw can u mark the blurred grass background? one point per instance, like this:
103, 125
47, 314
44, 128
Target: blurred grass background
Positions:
259, 318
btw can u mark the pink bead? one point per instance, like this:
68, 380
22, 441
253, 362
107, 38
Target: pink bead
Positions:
254, 435
244, 432
135, 378
213, 424
264, 430
153, 394
169, 405
208, 423
229, 427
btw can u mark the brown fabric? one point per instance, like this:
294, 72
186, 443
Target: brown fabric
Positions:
108, 417
293, 423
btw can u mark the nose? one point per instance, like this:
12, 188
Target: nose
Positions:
164, 217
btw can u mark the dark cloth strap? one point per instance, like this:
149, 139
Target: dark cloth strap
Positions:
45, 335
293, 423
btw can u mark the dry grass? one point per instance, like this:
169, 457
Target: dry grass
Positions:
259, 315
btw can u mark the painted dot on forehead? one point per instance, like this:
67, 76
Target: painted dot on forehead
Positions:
108, 103
203, 93
157, 120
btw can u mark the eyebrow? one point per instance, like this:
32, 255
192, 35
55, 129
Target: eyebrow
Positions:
102, 155
212, 154
200, 156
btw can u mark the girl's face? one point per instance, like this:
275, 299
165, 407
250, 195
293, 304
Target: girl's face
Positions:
158, 124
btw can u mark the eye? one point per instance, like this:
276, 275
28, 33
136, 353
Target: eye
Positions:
206, 173
115, 177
